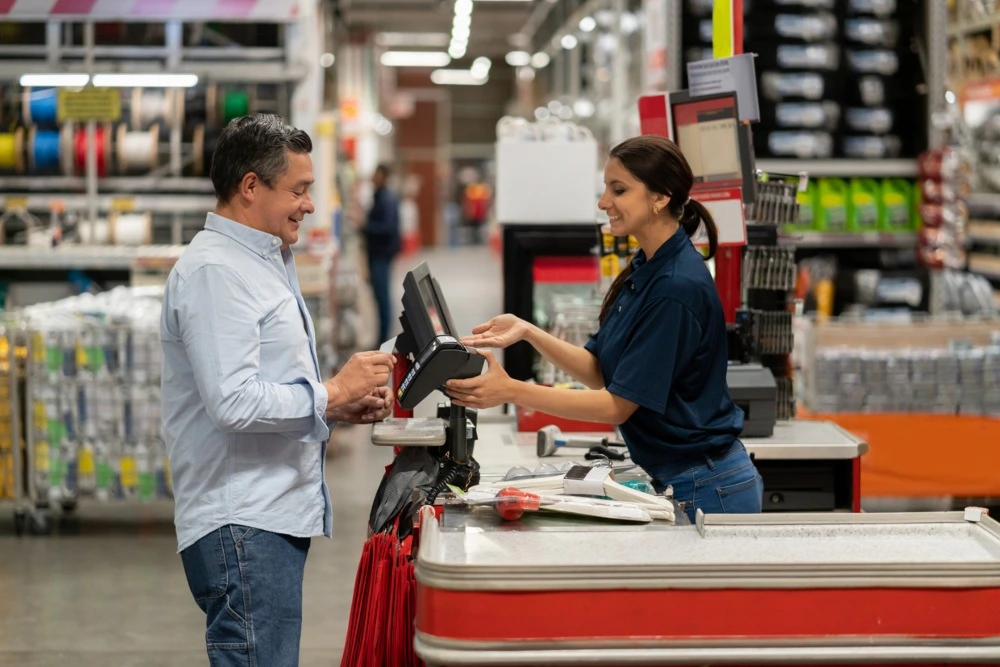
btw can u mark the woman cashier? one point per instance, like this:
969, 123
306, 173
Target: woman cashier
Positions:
657, 364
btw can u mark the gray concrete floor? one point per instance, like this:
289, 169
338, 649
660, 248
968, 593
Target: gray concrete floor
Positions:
108, 588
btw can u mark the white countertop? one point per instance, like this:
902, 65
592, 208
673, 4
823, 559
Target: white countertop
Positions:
500, 447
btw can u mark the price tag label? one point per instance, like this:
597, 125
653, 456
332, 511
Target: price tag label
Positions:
123, 204
97, 104
19, 203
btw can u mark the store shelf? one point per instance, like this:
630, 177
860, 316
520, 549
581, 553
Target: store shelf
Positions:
847, 240
841, 167
984, 203
984, 231
988, 266
223, 72
966, 27
49, 184
154, 203
103, 258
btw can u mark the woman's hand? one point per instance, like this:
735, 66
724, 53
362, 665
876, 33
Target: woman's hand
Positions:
502, 331
492, 388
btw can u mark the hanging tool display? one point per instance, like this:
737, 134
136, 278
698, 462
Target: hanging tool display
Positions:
769, 268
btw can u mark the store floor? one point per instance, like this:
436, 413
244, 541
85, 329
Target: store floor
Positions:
109, 588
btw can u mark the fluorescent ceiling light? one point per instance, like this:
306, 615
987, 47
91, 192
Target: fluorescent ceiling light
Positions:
463, 21
428, 39
540, 60
588, 23
146, 80
457, 51
456, 77
415, 59
568, 42
463, 7
327, 59
54, 80
460, 33
484, 62
518, 58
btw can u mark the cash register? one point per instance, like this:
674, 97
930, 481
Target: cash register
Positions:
751, 385
430, 341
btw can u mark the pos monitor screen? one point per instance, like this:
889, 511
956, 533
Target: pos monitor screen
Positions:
425, 312
717, 145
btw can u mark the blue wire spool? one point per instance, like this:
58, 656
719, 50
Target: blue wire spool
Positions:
39, 106
44, 150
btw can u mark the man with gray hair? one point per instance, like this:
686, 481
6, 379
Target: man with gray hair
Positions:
246, 415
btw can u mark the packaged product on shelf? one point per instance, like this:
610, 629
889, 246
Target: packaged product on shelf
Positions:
872, 148
865, 208
896, 213
874, 121
783, 85
809, 115
872, 31
833, 201
873, 7
802, 144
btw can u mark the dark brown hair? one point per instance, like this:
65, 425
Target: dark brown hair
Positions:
663, 169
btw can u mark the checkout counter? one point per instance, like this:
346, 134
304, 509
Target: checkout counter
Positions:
836, 587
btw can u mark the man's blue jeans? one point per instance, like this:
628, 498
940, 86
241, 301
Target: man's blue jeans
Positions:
249, 584
380, 272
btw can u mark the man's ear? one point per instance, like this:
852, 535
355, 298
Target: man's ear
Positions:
249, 186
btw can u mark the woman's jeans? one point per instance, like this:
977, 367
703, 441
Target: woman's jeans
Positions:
249, 584
726, 482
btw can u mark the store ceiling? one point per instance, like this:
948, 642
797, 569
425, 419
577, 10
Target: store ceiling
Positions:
493, 21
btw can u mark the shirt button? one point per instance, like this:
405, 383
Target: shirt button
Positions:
274, 242
632, 286
619, 309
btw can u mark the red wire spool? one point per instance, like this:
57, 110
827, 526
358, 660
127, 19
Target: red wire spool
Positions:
102, 142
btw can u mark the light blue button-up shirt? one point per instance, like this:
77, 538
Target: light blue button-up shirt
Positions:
243, 405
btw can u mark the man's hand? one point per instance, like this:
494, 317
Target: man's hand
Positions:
362, 373
374, 407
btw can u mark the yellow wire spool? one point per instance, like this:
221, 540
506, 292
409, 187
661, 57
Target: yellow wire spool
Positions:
12, 150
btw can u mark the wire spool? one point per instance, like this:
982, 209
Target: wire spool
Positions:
137, 151
97, 232
203, 147
102, 141
39, 106
235, 103
196, 104
44, 150
212, 106
131, 229
12, 150
153, 106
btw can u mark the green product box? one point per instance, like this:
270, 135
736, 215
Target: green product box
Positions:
832, 201
806, 200
897, 206
865, 207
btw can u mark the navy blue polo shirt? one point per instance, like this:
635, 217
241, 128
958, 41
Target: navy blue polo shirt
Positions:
663, 346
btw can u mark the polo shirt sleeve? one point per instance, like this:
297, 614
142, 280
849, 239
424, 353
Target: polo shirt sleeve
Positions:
663, 339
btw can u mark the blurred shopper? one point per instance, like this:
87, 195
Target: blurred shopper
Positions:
246, 415
383, 241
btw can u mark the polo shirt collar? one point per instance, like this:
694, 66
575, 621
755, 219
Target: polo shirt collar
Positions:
643, 270
262, 243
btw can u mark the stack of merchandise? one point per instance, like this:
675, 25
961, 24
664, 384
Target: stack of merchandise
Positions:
93, 388
8, 408
962, 379
943, 190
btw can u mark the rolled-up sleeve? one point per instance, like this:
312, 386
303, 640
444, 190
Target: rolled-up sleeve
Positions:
665, 331
218, 318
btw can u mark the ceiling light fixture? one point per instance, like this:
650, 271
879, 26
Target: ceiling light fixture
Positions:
415, 59
518, 58
588, 23
456, 77
54, 80
463, 7
540, 60
327, 59
568, 42
145, 80
425, 39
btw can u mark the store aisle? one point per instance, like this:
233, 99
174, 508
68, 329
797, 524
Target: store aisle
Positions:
109, 589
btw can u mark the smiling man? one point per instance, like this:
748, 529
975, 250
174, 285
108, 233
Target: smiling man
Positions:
246, 415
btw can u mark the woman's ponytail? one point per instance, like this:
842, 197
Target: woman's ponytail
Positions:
692, 216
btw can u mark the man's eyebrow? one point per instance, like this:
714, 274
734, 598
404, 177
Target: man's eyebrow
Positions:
305, 182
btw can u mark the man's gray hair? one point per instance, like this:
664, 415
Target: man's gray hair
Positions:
258, 144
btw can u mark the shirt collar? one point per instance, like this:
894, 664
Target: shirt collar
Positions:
262, 243
643, 270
